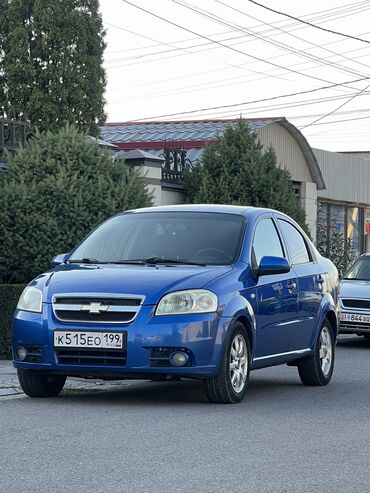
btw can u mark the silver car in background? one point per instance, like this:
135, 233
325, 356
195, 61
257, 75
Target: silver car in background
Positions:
354, 298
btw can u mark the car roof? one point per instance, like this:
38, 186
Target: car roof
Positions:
220, 208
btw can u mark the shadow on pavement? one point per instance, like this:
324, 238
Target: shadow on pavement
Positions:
261, 388
353, 342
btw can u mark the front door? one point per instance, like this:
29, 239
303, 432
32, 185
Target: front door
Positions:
277, 296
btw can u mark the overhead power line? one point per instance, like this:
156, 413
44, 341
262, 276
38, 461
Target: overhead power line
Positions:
226, 46
338, 108
285, 32
278, 44
309, 23
326, 16
255, 101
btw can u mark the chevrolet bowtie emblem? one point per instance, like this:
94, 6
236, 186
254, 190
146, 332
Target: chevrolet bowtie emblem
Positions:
95, 308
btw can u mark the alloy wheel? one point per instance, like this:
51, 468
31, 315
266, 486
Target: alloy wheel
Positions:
325, 351
238, 363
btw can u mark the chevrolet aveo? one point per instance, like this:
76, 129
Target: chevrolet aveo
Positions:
201, 291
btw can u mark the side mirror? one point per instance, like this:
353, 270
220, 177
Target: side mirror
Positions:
273, 265
59, 259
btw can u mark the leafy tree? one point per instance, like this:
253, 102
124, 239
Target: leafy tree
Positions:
237, 170
51, 70
58, 187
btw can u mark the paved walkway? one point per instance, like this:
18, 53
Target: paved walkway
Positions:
9, 384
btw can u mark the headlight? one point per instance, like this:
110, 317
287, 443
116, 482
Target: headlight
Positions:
192, 301
30, 300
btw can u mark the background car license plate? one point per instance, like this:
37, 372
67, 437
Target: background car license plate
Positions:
112, 340
355, 317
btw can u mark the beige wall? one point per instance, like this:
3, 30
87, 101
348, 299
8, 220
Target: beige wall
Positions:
171, 197
288, 152
309, 204
290, 156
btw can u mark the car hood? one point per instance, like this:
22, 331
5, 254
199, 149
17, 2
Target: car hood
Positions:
354, 289
151, 281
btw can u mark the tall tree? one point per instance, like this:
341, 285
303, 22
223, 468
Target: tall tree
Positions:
237, 170
51, 54
57, 188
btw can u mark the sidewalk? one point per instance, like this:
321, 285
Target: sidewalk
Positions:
9, 384
8, 379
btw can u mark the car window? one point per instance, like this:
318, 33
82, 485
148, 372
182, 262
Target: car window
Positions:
360, 270
205, 237
266, 242
296, 243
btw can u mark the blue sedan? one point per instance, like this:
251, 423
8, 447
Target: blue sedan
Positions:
191, 291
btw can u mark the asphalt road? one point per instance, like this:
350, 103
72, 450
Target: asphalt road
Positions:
159, 437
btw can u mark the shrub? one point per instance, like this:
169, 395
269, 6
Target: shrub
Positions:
9, 295
58, 187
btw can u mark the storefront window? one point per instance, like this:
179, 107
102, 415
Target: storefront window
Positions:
347, 221
354, 229
367, 230
337, 215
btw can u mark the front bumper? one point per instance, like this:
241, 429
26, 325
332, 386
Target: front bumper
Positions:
357, 322
201, 336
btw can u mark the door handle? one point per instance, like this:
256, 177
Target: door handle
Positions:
292, 286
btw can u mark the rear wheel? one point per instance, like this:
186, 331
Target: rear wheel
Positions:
317, 369
35, 384
230, 384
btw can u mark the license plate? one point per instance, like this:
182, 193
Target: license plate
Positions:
103, 340
355, 317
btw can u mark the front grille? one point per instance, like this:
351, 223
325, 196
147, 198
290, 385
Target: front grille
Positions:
105, 301
354, 326
86, 357
96, 308
74, 316
356, 303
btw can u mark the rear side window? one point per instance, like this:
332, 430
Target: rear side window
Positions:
266, 242
296, 243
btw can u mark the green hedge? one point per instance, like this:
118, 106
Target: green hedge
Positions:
9, 295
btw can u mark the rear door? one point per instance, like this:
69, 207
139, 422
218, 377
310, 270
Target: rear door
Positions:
310, 282
277, 295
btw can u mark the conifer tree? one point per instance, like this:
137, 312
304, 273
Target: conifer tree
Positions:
51, 54
58, 187
237, 170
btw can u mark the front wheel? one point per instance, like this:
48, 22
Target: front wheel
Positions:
317, 369
230, 384
35, 384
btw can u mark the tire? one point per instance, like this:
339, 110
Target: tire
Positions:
317, 369
230, 384
35, 384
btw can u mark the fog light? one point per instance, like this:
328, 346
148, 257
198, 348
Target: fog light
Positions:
179, 358
21, 353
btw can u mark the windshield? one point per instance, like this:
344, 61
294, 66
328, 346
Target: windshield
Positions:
191, 237
360, 270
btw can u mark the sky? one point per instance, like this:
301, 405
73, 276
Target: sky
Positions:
212, 59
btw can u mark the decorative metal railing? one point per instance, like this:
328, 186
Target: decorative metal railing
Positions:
12, 134
175, 162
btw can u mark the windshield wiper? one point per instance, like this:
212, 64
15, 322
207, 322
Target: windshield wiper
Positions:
86, 261
160, 260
